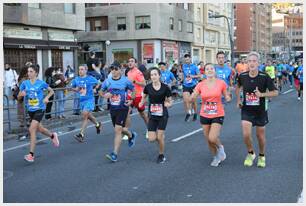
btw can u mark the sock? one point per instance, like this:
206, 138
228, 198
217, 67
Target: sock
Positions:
32, 154
261, 155
189, 111
251, 152
97, 124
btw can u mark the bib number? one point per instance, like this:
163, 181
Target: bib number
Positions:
115, 99
33, 102
188, 80
251, 99
210, 108
156, 110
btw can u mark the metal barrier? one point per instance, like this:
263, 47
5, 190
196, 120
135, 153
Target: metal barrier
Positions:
8, 121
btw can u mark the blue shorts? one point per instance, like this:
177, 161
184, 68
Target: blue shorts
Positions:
88, 105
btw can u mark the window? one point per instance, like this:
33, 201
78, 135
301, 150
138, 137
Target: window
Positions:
210, 20
97, 25
143, 22
121, 23
186, 6
199, 14
87, 26
32, 5
198, 33
12, 4
180, 25
171, 23
69, 8
189, 27
217, 20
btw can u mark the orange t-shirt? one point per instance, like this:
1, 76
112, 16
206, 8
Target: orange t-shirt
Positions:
242, 68
212, 106
136, 75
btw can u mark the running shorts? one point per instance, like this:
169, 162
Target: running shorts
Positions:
119, 117
209, 121
258, 119
159, 123
36, 115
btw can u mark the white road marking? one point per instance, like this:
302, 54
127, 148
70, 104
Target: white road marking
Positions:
186, 135
300, 198
62, 134
290, 90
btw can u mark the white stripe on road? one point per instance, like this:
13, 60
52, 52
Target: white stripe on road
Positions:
62, 134
301, 198
290, 90
186, 135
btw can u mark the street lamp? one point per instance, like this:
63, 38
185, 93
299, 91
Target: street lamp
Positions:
229, 34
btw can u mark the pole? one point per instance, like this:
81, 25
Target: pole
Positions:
231, 41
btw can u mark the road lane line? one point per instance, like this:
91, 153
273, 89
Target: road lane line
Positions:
62, 134
290, 90
186, 135
301, 198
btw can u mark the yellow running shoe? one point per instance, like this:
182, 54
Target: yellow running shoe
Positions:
249, 160
261, 162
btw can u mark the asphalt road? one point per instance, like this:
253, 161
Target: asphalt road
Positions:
80, 173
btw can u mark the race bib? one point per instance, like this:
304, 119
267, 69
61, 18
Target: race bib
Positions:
251, 99
33, 102
115, 100
83, 91
210, 108
156, 110
188, 80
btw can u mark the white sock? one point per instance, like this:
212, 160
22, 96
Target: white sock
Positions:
189, 111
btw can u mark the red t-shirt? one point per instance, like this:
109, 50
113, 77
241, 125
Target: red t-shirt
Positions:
212, 106
136, 75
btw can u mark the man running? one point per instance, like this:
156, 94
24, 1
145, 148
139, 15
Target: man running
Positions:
116, 89
191, 74
86, 86
139, 82
256, 87
167, 77
300, 77
159, 100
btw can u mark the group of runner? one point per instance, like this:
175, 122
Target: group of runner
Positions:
214, 86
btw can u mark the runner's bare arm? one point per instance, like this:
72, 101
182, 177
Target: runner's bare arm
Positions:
143, 99
168, 102
194, 96
50, 93
238, 90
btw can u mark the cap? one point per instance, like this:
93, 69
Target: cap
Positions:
161, 63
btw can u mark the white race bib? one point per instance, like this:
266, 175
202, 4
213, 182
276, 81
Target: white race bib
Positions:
210, 108
156, 110
251, 99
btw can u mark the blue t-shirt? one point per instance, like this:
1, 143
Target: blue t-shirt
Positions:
166, 77
224, 73
119, 90
290, 69
279, 69
300, 76
86, 85
261, 68
34, 94
190, 69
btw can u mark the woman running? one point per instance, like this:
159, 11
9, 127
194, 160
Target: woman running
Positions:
211, 90
159, 100
33, 92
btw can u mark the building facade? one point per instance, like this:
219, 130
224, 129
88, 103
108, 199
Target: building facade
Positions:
253, 29
150, 32
42, 33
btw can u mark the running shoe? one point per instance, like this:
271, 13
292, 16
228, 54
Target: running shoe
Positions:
299, 98
29, 158
261, 162
131, 141
249, 159
112, 157
55, 140
216, 161
195, 116
125, 137
79, 137
187, 117
221, 154
161, 159
98, 127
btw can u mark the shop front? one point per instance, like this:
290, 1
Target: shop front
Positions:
170, 51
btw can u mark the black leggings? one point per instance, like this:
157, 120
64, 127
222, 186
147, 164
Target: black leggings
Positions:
49, 107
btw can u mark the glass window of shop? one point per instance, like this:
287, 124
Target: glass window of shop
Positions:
122, 55
143, 22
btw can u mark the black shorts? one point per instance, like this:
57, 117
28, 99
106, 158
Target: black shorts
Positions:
36, 115
188, 89
159, 123
119, 117
209, 121
258, 119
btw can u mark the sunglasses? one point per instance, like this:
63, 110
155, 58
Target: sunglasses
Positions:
115, 68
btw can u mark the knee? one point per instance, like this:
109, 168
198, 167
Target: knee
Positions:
211, 139
151, 137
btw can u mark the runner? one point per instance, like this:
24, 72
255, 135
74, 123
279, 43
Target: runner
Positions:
290, 70
191, 74
300, 76
116, 89
137, 78
211, 90
86, 86
242, 67
254, 85
167, 77
159, 100
279, 74
224, 72
32, 90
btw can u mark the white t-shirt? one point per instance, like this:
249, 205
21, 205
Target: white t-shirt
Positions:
10, 78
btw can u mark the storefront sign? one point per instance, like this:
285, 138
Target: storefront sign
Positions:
148, 53
64, 47
25, 34
61, 36
26, 46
